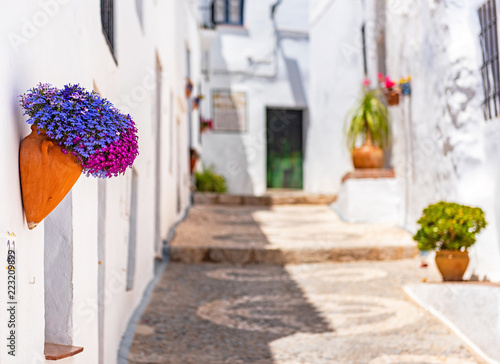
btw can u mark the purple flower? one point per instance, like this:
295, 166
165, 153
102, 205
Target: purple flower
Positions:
102, 139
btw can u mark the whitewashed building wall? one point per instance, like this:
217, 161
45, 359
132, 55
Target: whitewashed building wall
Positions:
451, 151
60, 42
443, 148
255, 58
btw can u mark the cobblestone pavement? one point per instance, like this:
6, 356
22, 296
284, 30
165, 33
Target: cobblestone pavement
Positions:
310, 314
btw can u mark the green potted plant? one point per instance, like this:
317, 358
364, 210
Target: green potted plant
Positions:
450, 229
209, 181
368, 122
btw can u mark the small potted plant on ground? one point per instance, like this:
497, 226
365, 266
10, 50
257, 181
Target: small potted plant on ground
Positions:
73, 131
209, 181
450, 229
368, 122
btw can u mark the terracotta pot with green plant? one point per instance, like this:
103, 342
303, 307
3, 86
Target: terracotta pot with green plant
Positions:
369, 124
450, 229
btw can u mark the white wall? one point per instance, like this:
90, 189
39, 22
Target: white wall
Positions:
61, 43
452, 151
443, 149
241, 157
336, 79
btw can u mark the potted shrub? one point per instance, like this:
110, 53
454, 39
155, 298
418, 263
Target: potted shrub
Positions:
73, 131
209, 181
450, 229
368, 121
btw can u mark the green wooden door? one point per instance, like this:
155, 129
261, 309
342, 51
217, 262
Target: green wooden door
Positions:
284, 148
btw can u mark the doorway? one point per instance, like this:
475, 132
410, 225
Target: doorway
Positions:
284, 148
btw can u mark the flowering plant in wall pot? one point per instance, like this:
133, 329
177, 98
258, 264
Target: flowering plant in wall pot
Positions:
73, 131
391, 91
196, 101
206, 124
188, 87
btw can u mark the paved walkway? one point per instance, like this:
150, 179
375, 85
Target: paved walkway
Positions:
283, 235
308, 314
315, 313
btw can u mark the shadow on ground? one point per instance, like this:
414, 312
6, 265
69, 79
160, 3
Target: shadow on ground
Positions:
214, 314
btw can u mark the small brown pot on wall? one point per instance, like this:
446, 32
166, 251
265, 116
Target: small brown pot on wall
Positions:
47, 175
452, 264
392, 97
368, 156
193, 158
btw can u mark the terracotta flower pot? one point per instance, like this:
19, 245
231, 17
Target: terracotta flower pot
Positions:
47, 175
452, 264
192, 163
392, 97
368, 156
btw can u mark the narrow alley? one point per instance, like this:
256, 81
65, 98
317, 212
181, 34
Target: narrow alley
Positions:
334, 295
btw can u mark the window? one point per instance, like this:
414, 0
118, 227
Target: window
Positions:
490, 68
227, 12
107, 21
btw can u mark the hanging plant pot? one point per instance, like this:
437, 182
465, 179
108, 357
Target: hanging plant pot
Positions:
368, 156
192, 164
392, 97
47, 175
188, 87
452, 264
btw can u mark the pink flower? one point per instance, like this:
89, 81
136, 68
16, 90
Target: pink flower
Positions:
366, 82
389, 83
381, 77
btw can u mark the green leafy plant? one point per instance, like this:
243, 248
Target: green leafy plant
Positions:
368, 119
209, 181
449, 226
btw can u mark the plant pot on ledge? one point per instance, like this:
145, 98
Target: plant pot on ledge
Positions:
369, 122
452, 264
368, 156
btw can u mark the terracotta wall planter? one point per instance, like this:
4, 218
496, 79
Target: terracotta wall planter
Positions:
47, 175
192, 163
452, 264
368, 156
392, 97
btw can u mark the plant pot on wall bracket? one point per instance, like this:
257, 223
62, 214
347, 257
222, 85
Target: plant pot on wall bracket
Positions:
368, 156
47, 175
392, 97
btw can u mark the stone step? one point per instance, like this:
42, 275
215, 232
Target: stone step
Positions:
277, 256
269, 199
284, 234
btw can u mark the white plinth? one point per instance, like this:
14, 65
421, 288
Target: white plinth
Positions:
369, 200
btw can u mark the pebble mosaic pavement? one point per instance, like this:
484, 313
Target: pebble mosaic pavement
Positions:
299, 314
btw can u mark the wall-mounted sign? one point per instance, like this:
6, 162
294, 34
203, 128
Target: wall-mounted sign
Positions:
229, 110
